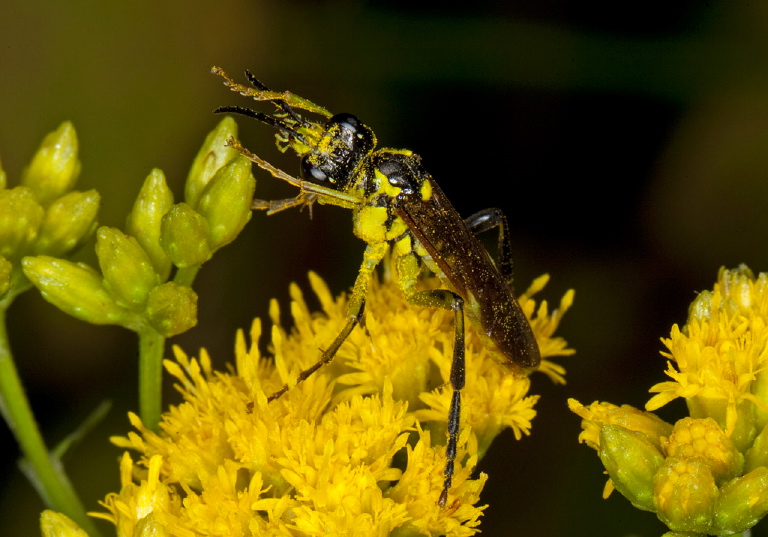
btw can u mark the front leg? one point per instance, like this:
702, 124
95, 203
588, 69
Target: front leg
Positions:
304, 199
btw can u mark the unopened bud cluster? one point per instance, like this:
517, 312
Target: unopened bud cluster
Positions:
132, 288
43, 215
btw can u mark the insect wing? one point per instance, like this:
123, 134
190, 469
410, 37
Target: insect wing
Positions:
466, 264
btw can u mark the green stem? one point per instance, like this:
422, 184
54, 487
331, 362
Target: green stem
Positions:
151, 348
46, 472
186, 276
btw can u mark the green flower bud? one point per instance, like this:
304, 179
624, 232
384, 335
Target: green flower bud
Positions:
128, 273
597, 415
701, 308
154, 201
743, 503
20, 219
53, 524
214, 154
55, 167
685, 494
171, 309
226, 201
631, 460
6, 270
76, 289
704, 439
185, 236
67, 223
148, 526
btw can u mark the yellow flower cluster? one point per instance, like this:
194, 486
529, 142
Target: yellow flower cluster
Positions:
708, 473
721, 354
350, 451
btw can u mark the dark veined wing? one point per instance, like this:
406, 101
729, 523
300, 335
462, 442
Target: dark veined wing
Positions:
466, 264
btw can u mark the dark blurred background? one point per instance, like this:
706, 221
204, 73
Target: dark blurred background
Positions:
625, 142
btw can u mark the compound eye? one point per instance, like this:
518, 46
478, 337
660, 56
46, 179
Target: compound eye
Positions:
352, 133
346, 121
312, 173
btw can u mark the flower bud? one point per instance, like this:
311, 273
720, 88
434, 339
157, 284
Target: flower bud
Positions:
171, 309
226, 201
743, 503
214, 154
148, 526
685, 494
128, 273
736, 287
76, 289
55, 167
185, 236
704, 439
597, 415
68, 221
20, 219
700, 309
631, 460
53, 524
154, 200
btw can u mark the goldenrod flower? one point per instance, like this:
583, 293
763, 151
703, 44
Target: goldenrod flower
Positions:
353, 450
707, 474
721, 355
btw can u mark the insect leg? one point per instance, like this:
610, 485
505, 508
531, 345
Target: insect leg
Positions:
275, 206
374, 253
407, 270
260, 93
488, 219
457, 383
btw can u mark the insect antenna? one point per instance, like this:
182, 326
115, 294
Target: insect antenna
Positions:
264, 118
284, 106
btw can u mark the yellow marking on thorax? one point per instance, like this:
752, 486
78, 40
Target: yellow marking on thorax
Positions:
384, 185
370, 225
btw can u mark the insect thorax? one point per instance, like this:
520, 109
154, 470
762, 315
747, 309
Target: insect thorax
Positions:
386, 180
